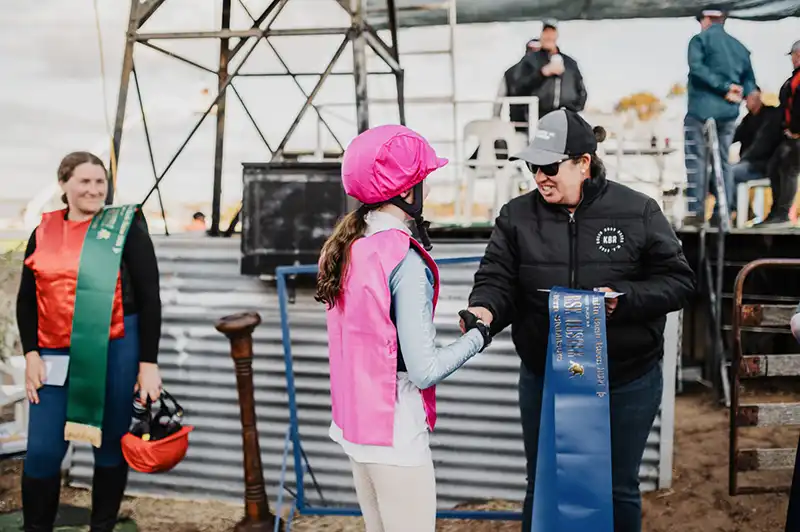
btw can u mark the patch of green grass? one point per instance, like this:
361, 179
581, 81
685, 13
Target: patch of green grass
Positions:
12, 522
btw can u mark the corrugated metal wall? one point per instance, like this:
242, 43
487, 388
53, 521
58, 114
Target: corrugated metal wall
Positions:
477, 444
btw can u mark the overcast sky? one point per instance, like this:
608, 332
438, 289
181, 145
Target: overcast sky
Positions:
52, 101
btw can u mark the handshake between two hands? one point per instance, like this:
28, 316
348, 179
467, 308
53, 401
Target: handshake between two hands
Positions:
474, 318
481, 317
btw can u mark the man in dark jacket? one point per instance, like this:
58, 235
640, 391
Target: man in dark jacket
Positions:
551, 76
579, 230
784, 167
759, 134
720, 77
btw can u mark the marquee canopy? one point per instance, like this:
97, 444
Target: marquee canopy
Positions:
429, 12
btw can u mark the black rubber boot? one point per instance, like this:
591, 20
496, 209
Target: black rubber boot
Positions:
108, 487
40, 503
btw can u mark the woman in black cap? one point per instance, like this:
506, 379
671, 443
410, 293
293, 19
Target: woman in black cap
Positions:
581, 231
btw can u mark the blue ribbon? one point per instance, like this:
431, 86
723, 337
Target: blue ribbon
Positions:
573, 469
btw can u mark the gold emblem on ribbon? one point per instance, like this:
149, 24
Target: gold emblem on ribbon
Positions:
575, 369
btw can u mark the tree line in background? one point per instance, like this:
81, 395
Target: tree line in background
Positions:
649, 106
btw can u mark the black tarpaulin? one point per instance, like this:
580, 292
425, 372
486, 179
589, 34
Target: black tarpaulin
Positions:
433, 12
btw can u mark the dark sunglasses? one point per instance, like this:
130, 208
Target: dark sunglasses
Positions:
549, 170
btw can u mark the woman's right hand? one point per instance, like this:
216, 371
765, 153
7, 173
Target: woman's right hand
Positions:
35, 373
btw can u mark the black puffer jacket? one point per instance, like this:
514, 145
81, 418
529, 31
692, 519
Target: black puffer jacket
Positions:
554, 92
765, 139
617, 238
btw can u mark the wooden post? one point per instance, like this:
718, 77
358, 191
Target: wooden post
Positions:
239, 330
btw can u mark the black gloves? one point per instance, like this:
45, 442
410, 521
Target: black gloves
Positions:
471, 321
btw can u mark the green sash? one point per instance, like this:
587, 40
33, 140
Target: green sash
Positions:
91, 324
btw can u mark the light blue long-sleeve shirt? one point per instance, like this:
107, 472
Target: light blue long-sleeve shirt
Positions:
411, 287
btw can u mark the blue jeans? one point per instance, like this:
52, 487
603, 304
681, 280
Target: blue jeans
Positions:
46, 444
742, 172
695, 153
633, 409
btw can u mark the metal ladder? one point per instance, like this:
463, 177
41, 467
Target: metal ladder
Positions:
452, 20
713, 278
448, 6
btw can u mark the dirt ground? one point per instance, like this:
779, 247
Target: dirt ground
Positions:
697, 502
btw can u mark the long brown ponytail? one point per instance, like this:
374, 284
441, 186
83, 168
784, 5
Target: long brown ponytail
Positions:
335, 255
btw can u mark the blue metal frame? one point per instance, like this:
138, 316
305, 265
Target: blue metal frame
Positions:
293, 434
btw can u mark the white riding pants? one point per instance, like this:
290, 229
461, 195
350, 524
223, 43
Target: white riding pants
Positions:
396, 498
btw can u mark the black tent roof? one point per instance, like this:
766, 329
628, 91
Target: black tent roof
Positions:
433, 12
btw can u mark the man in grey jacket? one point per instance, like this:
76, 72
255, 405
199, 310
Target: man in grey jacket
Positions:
720, 77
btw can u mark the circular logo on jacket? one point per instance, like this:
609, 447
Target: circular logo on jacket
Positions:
609, 239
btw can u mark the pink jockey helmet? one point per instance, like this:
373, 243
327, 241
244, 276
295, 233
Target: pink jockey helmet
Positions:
385, 161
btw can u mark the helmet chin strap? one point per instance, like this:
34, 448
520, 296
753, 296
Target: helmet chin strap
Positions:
414, 210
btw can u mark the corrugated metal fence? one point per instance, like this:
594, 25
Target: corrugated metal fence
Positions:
477, 444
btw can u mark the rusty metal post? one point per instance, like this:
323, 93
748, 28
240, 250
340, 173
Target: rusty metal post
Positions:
359, 10
399, 75
122, 99
239, 330
219, 148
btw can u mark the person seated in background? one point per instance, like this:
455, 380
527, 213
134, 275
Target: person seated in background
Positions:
759, 134
509, 86
517, 113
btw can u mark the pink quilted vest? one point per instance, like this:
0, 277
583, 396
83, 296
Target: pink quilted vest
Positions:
362, 341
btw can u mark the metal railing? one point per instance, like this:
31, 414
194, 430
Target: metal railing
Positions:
759, 318
458, 180
331, 110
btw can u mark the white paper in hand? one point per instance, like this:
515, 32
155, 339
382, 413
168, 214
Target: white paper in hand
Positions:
56, 367
611, 295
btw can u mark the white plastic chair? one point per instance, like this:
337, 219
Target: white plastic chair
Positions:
743, 200
487, 164
14, 394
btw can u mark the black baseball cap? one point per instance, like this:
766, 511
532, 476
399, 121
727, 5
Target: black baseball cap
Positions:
560, 135
549, 23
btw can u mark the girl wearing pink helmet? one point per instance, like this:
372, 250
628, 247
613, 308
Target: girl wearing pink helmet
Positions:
380, 287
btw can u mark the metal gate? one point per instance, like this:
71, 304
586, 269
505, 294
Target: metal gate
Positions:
760, 318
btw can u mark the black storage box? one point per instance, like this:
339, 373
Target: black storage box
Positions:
289, 209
